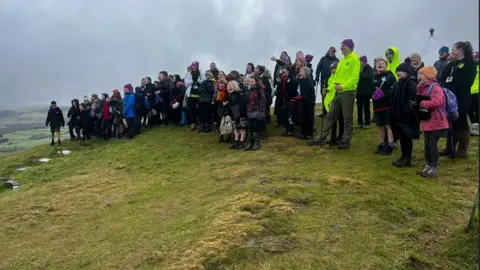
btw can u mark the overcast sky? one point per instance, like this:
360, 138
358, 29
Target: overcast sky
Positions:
64, 49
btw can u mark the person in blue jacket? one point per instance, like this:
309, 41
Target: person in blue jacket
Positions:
129, 110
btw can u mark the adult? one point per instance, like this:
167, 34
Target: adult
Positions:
474, 104
458, 77
393, 60
364, 93
164, 89
286, 90
193, 80
306, 99
345, 80
442, 61
322, 73
416, 62
214, 70
249, 71
148, 89
266, 79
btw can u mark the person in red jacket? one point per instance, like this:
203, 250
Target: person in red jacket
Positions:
431, 104
107, 112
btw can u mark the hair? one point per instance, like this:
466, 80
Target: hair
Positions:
208, 74
195, 74
164, 73
221, 71
306, 70
222, 81
249, 65
149, 79
381, 60
416, 55
258, 82
234, 85
53, 103
466, 48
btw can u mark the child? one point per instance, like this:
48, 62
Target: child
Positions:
86, 121
207, 90
178, 94
74, 123
220, 100
237, 105
383, 82
140, 109
431, 104
256, 113
55, 120
117, 103
306, 98
128, 111
107, 117
329, 93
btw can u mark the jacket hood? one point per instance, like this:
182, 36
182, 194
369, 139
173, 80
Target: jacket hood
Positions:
76, 101
392, 66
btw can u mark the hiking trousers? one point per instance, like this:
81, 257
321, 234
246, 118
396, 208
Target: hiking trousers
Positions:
342, 104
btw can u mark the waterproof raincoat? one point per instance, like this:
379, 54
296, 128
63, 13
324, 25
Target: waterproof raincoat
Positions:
392, 66
348, 73
331, 92
475, 84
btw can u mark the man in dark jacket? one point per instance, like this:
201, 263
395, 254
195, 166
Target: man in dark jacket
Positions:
55, 120
364, 93
323, 71
442, 61
206, 101
164, 89
148, 89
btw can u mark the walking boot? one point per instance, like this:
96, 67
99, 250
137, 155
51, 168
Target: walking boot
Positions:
463, 143
234, 145
250, 145
256, 142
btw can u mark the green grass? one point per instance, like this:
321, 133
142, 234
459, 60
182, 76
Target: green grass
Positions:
21, 138
176, 199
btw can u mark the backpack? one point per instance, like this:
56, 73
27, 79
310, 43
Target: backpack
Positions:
226, 125
451, 107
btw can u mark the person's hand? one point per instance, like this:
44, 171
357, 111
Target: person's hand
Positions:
273, 58
338, 87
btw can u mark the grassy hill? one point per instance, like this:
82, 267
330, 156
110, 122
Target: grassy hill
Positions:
176, 199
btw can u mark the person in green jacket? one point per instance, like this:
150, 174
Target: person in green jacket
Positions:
345, 84
474, 101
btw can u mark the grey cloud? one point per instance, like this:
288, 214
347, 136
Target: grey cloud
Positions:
63, 49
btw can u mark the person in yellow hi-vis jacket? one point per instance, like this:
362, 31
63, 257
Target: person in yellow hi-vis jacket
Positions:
473, 111
345, 84
393, 60
329, 93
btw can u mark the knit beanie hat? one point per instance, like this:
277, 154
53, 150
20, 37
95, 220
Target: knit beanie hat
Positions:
195, 64
443, 49
429, 72
363, 59
230, 77
115, 91
309, 58
138, 90
407, 68
129, 87
349, 43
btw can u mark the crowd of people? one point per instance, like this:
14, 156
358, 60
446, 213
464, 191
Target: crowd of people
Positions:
405, 95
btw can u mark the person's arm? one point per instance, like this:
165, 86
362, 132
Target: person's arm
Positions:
318, 71
437, 99
62, 119
47, 121
69, 113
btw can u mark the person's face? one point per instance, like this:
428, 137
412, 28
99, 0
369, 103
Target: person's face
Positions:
256, 70
249, 69
381, 66
443, 56
422, 78
475, 59
415, 60
194, 68
283, 55
161, 77
345, 49
125, 90
53, 106
331, 53
222, 86
107, 99
457, 54
389, 57
213, 66
402, 75
74, 103
302, 73
251, 82
284, 72
221, 75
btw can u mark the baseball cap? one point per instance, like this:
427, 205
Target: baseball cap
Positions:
332, 49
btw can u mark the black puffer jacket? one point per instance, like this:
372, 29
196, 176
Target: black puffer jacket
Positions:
323, 71
74, 114
463, 74
237, 104
365, 83
402, 116
55, 117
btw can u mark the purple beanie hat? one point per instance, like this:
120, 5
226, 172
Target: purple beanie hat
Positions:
129, 87
349, 43
363, 59
195, 64
308, 58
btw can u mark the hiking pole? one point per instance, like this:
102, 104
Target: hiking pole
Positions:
471, 221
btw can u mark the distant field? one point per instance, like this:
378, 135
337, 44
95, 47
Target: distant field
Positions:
20, 139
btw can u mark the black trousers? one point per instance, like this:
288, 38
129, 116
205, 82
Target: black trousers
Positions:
431, 146
363, 109
138, 123
192, 109
306, 124
130, 127
406, 144
107, 128
458, 125
473, 109
206, 109
75, 128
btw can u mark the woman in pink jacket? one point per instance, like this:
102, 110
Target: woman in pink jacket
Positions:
431, 104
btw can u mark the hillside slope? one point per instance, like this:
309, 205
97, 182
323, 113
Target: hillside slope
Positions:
176, 199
